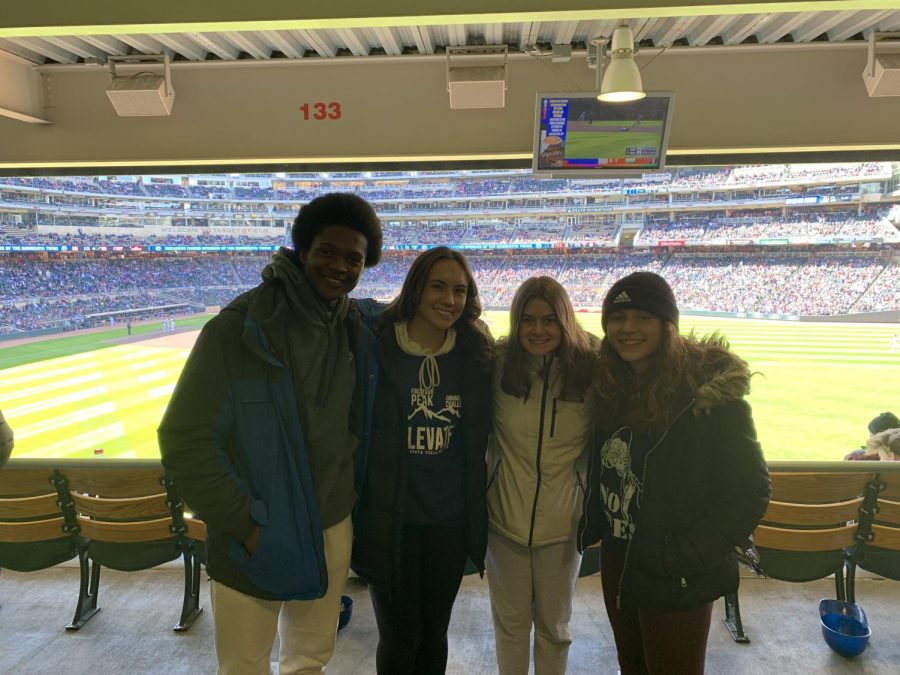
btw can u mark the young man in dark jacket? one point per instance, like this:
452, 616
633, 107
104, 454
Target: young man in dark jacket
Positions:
266, 437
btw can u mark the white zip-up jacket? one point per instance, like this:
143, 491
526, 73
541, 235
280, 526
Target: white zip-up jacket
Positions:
537, 454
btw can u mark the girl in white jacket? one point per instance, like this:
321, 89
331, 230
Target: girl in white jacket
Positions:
537, 453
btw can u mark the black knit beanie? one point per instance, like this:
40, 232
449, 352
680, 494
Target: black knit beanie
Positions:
883, 422
642, 290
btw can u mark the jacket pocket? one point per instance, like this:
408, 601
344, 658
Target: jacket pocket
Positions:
285, 564
289, 560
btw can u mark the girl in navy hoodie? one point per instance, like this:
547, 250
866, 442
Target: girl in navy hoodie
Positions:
422, 510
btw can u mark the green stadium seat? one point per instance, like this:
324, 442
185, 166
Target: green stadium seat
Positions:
809, 531
880, 551
131, 519
35, 532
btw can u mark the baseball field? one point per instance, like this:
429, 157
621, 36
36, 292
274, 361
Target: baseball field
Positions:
102, 394
610, 138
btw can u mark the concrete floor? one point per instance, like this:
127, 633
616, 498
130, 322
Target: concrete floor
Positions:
132, 634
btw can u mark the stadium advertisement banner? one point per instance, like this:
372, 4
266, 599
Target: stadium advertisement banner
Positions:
670, 242
740, 242
793, 201
133, 249
213, 248
478, 246
774, 242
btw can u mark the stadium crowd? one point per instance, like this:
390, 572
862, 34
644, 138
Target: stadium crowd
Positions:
455, 185
37, 294
580, 231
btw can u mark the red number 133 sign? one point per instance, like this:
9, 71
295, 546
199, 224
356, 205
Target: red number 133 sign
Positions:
319, 111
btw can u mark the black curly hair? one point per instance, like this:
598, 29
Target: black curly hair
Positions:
338, 208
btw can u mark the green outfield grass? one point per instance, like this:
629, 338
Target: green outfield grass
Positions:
625, 123
593, 144
817, 386
81, 342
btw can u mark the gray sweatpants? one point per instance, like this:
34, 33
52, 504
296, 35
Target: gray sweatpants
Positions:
531, 586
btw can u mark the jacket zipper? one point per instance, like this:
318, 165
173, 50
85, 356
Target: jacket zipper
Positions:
553, 418
586, 492
643, 480
537, 488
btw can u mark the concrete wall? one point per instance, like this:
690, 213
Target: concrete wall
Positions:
780, 99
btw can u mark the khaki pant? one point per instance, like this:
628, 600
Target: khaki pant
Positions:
245, 626
531, 586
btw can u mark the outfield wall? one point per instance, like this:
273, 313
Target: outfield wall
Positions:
25, 334
892, 316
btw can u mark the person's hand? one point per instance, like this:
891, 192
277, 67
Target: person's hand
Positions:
251, 541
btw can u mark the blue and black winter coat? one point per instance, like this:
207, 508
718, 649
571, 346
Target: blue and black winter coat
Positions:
232, 441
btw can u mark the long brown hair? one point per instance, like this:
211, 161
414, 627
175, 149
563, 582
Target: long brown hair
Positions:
576, 351
647, 401
471, 331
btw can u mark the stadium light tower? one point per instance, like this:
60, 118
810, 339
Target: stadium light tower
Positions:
622, 79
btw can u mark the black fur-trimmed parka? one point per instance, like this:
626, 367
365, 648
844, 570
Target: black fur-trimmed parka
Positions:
705, 488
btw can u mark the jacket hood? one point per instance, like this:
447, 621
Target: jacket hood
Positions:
718, 375
886, 443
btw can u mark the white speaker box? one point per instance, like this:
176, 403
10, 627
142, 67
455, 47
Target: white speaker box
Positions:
885, 81
142, 95
477, 87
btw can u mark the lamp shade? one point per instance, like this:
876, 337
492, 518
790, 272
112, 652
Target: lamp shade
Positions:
622, 79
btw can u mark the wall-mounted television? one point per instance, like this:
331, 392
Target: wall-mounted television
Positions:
577, 135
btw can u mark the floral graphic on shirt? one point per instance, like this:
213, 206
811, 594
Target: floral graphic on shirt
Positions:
619, 492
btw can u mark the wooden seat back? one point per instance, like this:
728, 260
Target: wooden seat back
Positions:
127, 505
812, 512
886, 518
21, 482
29, 506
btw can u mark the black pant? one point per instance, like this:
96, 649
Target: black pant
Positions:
412, 624
653, 643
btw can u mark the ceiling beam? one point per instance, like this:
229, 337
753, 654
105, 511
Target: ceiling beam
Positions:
352, 41
781, 26
145, 44
250, 43
706, 29
318, 41
21, 93
216, 45
107, 43
63, 17
182, 44
77, 46
47, 50
816, 27
280, 41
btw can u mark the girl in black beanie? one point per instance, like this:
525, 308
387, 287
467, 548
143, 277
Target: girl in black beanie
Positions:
677, 479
